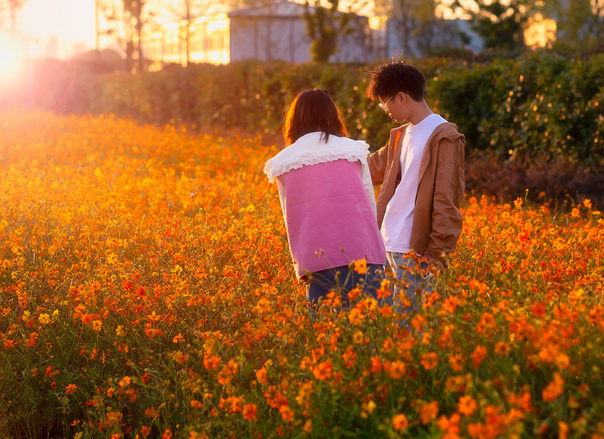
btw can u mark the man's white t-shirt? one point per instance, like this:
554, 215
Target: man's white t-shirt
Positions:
398, 220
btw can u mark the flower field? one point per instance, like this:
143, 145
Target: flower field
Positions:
146, 290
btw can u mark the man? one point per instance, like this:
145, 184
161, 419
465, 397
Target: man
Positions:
421, 171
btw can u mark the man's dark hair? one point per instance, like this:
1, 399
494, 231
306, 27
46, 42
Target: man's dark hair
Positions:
391, 78
312, 111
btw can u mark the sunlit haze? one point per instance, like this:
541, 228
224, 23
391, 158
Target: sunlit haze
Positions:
58, 28
10, 58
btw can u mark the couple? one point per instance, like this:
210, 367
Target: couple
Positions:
326, 180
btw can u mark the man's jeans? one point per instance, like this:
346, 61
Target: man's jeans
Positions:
410, 282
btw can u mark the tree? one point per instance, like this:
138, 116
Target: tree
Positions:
134, 14
127, 18
500, 23
12, 6
185, 12
580, 23
420, 31
325, 24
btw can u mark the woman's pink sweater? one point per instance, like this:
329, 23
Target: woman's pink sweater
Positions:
328, 202
330, 221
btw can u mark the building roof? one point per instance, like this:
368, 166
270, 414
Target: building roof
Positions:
283, 8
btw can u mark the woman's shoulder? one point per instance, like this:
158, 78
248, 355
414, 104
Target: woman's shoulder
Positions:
307, 151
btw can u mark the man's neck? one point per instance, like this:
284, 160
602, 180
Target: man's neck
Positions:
421, 111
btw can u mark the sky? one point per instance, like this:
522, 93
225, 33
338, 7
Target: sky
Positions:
73, 21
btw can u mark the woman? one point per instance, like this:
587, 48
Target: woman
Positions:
327, 200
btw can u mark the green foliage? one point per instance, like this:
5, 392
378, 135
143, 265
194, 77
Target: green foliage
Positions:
537, 105
324, 25
500, 23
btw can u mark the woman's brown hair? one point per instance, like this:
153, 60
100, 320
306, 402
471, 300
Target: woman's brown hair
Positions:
312, 111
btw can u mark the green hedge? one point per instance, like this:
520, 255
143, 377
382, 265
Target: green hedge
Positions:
538, 105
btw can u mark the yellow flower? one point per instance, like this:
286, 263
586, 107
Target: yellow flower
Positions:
125, 382
308, 426
44, 319
356, 316
358, 337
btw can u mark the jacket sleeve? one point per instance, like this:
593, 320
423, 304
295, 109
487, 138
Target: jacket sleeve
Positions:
377, 164
449, 185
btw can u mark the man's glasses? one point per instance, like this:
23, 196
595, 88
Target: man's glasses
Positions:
383, 106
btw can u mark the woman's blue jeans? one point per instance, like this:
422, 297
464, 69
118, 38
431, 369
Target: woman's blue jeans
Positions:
343, 280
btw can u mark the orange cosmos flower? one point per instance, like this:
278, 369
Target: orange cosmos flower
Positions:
376, 365
261, 375
287, 414
458, 383
71, 388
323, 370
502, 348
479, 354
466, 405
428, 412
349, 357
33, 339
211, 362
250, 412
450, 425
360, 266
418, 321
151, 412
429, 360
384, 290
395, 369
400, 422
562, 361
554, 389
450, 304
456, 362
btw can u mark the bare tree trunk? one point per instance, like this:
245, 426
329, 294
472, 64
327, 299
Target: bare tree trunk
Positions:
188, 32
139, 35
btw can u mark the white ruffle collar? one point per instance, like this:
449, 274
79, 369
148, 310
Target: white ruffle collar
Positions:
310, 149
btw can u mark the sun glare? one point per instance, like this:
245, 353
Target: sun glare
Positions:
11, 58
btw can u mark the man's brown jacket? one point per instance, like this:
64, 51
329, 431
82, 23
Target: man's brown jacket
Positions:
437, 221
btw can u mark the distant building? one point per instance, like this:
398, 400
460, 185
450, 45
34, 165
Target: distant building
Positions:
273, 31
389, 38
51, 49
278, 31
